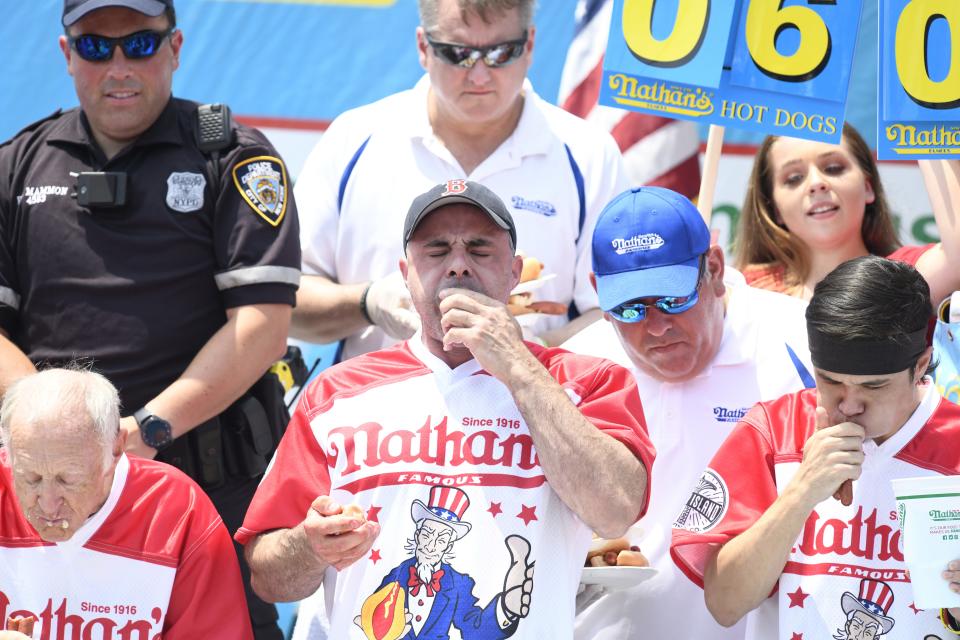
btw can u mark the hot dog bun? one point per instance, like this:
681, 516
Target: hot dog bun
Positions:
628, 558
531, 269
599, 546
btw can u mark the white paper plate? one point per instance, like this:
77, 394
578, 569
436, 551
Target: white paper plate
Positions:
531, 285
616, 577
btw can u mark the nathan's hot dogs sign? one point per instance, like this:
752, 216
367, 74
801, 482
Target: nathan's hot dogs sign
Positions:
919, 107
783, 67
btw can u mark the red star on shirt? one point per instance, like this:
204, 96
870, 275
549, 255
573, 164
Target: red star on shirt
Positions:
527, 514
375, 555
797, 598
495, 509
913, 606
796, 636
373, 514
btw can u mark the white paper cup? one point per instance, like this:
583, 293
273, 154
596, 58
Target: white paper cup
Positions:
928, 510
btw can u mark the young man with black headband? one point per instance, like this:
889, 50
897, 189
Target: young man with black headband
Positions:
795, 517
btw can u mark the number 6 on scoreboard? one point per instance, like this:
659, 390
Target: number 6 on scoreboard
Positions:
767, 19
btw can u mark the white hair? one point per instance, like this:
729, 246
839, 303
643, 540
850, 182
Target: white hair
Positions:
77, 397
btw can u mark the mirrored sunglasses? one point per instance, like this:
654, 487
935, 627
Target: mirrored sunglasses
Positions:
142, 44
495, 55
636, 311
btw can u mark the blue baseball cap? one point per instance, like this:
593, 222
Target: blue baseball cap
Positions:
647, 243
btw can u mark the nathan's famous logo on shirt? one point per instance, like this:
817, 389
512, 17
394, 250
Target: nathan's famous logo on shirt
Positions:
482, 451
88, 620
36, 195
860, 537
642, 242
706, 505
722, 414
542, 207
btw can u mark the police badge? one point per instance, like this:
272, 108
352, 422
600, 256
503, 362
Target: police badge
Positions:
262, 181
185, 191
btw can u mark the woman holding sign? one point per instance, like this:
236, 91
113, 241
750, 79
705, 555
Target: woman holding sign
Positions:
811, 206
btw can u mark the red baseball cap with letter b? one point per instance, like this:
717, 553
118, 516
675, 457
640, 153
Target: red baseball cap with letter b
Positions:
73, 10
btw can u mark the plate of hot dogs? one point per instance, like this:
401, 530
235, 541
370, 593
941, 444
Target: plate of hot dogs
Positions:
615, 564
521, 299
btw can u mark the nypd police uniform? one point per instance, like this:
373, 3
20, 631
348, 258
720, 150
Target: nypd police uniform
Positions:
138, 281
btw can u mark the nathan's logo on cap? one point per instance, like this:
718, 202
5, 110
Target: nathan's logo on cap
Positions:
643, 242
454, 187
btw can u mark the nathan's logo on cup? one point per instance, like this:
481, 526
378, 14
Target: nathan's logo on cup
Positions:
642, 242
950, 515
930, 528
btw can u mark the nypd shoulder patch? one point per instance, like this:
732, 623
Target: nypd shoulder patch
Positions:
707, 504
262, 181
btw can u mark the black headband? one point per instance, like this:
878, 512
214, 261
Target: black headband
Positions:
865, 357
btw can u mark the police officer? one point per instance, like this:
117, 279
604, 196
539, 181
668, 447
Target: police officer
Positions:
158, 240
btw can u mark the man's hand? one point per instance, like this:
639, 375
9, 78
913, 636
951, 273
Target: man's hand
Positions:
336, 538
832, 459
135, 445
389, 306
952, 575
483, 326
518, 584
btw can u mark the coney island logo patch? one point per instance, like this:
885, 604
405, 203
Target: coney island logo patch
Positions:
262, 181
185, 191
707, 504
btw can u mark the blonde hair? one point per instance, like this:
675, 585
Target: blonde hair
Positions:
761, 240
429, 11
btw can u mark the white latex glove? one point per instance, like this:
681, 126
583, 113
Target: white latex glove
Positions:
390, 308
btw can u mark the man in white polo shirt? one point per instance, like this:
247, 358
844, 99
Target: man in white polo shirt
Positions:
474, 115
703, 347
462, 439
794, 522
98, 544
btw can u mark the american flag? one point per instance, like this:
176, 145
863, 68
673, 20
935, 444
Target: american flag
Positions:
657, 151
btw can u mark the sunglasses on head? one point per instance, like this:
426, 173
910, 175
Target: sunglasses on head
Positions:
636, 311
142, 44
495, 55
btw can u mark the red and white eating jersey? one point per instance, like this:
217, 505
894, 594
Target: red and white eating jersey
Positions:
845, 575
155, 561
384, 429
